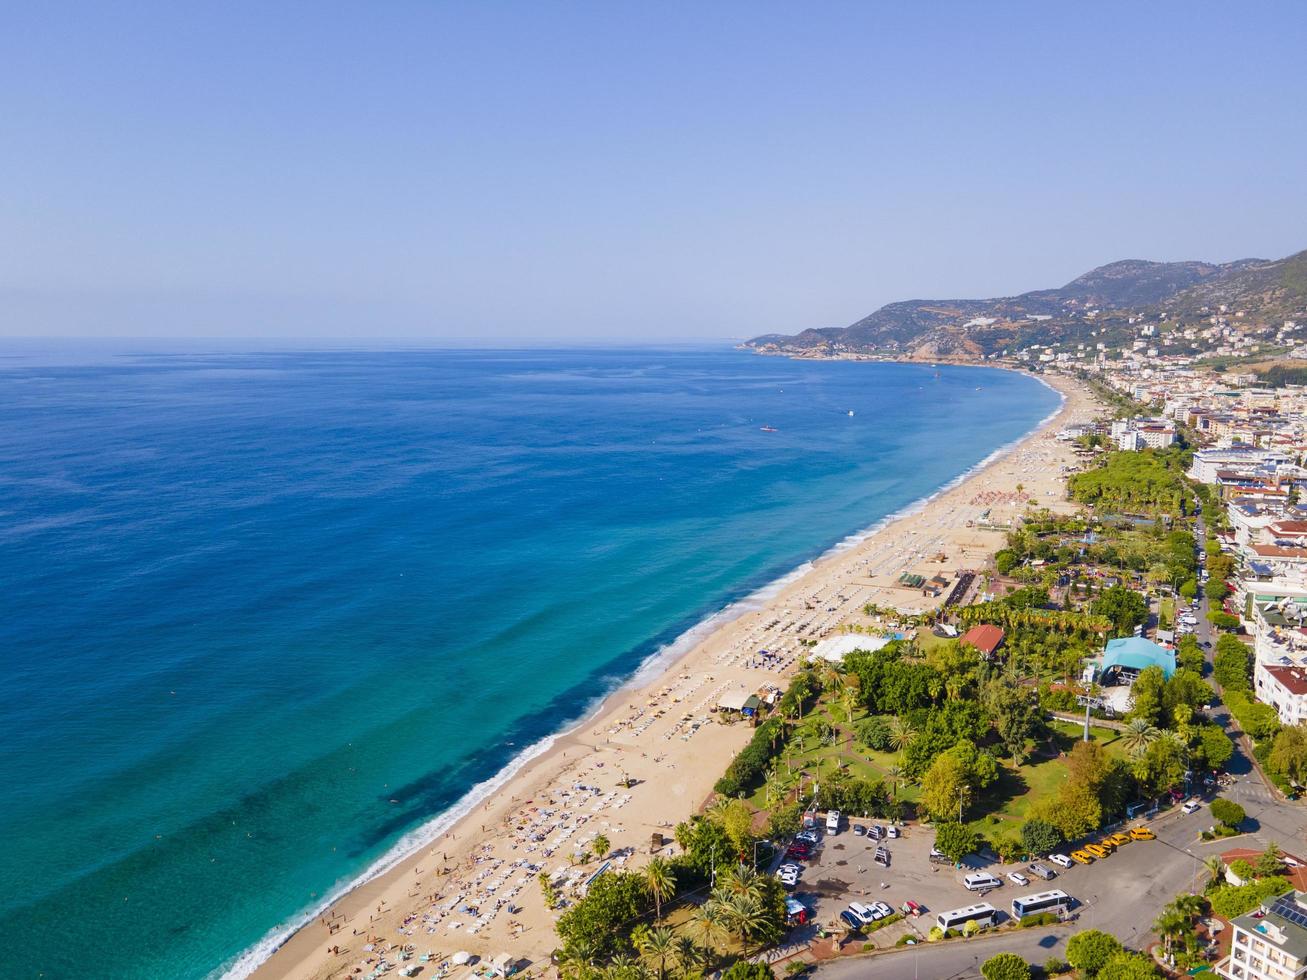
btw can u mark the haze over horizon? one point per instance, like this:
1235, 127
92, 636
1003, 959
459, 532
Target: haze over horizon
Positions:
523, 173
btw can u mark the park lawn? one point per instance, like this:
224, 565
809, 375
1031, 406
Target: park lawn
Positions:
1166, 612
1009, 801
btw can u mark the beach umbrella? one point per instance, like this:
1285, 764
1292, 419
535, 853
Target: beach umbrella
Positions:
461, 957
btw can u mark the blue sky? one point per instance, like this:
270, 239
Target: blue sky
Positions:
521, 172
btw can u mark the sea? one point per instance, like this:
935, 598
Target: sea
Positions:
269, 619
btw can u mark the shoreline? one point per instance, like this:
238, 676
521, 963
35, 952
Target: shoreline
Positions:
297, 950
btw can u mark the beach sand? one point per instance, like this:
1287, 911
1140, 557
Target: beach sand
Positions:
663, 738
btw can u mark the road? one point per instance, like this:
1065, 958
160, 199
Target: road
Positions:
951, 961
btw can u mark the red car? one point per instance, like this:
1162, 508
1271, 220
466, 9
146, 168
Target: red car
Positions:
798, 851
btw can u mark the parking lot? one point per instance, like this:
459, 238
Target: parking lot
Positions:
1139, 874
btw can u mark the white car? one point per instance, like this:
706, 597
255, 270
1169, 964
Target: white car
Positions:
1192, 806
1061, 860
1017, 878
863, 913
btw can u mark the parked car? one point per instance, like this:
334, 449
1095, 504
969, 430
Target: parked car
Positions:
1143, 833
1017, 878
1119, 839
853, 921
1042, 871
876, 832
911, 908
808, 837
891, 832
865, 914
1192, 806
1097, 850
1061, 860
882, 857
882, 910
1082, 857
939, 857
859, 830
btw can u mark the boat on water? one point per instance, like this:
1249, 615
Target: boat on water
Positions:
769, 428
850, 411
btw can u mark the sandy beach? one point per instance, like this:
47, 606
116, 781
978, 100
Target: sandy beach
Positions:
475, 889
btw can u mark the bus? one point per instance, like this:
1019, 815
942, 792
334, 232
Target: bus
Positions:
1051, 901
984, 913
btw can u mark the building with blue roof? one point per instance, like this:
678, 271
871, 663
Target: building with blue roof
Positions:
1126, 658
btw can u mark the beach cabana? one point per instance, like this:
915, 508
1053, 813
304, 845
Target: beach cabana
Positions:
733, 700
504, 965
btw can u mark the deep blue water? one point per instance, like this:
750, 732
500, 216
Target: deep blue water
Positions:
248, 600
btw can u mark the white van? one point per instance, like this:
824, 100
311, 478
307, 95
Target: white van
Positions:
833, 822
979, 880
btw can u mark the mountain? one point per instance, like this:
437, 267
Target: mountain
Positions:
1098, 304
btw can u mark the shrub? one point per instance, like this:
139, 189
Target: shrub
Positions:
1054, 965
1229, 901
1227, 812
1038, 919
889, 920
1005, 966
747, 768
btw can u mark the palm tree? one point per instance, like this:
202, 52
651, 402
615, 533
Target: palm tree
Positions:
1138, 735
743, 880
706, 919
656, 946
901, 734
743, 916
690, 956
1216, 868
580, 954
893, 774
661, 882
600, 846
1170, 924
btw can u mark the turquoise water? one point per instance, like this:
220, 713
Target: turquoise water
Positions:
267, 613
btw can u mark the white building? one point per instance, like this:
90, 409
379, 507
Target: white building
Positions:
1269, 943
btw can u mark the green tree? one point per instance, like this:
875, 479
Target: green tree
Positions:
955, 840
1146, 695
1227, 812
1005, 966
1289, 753
737, 821
1015, 713
1128, 966
1039, 836
600, 924
1215, 746
1124, 607
1089, 951
1190, 589
874, 733
600, 846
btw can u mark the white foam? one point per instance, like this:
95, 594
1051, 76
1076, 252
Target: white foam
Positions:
652, 666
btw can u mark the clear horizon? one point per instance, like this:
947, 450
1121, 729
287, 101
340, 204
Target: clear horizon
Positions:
524, 175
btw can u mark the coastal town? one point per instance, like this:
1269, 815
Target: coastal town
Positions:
1052, 723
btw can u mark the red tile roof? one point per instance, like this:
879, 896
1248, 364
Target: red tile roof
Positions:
1292, 679
985, 638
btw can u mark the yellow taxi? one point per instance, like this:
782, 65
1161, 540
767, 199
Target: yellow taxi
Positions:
1142, 833
1082, 857
1097, 850
1119, 839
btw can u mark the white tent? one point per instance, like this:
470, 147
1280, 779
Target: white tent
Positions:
836, 648
503, 964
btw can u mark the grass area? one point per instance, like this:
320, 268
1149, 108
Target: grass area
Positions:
1166, 612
